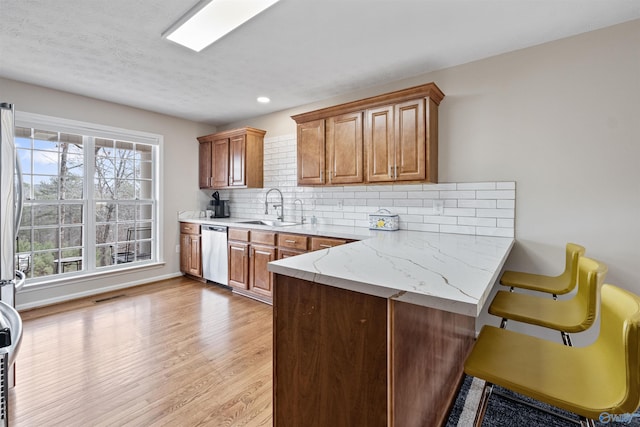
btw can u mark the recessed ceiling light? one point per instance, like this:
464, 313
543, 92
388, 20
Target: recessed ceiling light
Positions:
209, 20
263, 100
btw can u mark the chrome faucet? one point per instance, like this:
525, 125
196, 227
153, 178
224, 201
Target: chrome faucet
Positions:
281, 205
302, 218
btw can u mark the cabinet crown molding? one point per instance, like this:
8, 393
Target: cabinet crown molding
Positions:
233, 132
428, 90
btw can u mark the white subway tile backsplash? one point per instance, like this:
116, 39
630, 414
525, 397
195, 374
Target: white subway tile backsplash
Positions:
457, 194
482, 208
423, 194
482, 222
496, 213
506, 204
459, 229
497, 194
439, 187
509, 185
414, 226
437, 219
487, 204
476, 186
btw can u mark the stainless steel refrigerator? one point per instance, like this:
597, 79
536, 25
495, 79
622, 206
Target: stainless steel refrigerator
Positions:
10, 279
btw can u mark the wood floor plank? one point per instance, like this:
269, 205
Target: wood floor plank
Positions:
174, 353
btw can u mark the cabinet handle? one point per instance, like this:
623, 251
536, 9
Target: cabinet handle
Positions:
321, 175
290, 241
322, 245
390, 171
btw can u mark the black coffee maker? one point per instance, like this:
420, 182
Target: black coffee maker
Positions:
219, 207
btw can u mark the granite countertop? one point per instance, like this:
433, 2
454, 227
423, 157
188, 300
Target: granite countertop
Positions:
450, 272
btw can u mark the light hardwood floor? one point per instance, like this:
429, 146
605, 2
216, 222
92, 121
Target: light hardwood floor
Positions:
173, 353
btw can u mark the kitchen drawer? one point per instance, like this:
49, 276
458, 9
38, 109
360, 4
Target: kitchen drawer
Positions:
325, 242
293, 241
264, 237
241, 234
189, 228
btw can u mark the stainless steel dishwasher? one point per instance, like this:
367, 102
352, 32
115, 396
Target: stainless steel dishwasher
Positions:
214, 254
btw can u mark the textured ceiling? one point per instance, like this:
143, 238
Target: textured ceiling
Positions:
296, 52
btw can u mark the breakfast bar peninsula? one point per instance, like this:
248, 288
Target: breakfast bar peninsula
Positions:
375, 332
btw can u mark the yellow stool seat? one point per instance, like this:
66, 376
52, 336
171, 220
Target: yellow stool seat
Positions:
571, 315
602, 377
557, 285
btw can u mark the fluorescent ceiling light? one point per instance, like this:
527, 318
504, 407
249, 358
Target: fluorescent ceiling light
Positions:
209, 20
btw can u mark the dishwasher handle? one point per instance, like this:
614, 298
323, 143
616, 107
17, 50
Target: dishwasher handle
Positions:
218, 228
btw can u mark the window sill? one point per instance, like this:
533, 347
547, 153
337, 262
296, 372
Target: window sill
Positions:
81, 277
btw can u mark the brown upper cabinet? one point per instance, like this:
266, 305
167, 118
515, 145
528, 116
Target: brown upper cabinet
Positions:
386, 138
232, 159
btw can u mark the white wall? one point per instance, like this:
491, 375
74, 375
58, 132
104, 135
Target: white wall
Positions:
179, 176
562, 120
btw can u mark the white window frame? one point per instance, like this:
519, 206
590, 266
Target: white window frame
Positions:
39, 121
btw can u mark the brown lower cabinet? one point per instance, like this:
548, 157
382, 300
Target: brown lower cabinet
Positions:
250, 251
190, 243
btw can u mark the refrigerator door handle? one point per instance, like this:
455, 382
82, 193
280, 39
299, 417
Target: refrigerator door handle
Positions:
20, 282
19, 198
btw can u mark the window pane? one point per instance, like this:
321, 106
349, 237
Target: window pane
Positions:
145, 211
71, 214
104, 256
46, 238
45, 140
43, 264
71, 188
126, 212
105, 233
71, 236
104, 147
45, 162
24, 157
24, 241
45, 215
126, 189
45, 187
105, 212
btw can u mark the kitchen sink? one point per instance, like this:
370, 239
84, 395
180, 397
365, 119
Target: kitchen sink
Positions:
269, 222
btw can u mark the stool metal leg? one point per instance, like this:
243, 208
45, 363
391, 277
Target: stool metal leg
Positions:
482, 405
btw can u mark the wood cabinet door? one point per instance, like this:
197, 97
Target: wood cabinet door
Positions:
379, 140
239, 265
261, 277
311, 151
237, 160
204, 164
410, 142
220, 163
344, 149
190, 262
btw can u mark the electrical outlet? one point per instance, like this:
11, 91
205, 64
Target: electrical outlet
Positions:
340, 205
438, 207
177, 249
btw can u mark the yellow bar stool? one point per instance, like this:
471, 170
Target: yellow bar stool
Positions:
555, 285
576, 314
598, 381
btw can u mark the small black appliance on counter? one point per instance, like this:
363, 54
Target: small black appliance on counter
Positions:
219, 207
